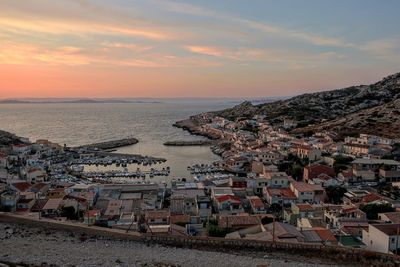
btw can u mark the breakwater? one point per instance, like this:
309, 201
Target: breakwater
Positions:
189, 143
111, 144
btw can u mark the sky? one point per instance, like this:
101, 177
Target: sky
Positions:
203, 48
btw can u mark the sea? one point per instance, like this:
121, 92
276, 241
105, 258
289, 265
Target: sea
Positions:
151, 123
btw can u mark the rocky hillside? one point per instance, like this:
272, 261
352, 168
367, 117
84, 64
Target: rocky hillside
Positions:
318, 107
7, 138
383, 120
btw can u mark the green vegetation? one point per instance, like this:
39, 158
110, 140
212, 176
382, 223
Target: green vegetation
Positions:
293, 166
372, 210
341, 163
215, 231
335, 194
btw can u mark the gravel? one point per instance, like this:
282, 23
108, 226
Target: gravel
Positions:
39, 247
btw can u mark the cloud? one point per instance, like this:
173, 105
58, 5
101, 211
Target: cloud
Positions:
31, 54
311, 38
387, 49
79, 27
130, 46
291, 58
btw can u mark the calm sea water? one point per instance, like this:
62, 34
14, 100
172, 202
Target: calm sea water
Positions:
150, 123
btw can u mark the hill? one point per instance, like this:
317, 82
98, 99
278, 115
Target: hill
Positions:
333, 106
383, 120
7, 138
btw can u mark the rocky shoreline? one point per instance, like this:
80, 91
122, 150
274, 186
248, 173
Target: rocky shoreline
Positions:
192, 127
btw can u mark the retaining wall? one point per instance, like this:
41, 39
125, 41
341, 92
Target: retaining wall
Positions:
339, 254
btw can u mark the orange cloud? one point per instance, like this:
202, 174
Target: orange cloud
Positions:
76, 27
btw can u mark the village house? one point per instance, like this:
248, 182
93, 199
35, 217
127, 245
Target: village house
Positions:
184, 202
298, 211
382, 238
324, 181
52, 207
228, 204
281, 196
313, 171
21, 148
356, 149
369, 169
236, 222
91, 217
389, 217
257, 205
319, 235
36, 175
236, 164
277, 179
307, 193
360, 197
334, 216
307, 152
20, 186
204, 208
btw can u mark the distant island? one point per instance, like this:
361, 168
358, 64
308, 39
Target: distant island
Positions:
72, 101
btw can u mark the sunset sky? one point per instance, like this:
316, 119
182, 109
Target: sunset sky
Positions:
166, 48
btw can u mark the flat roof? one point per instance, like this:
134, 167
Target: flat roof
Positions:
375, 161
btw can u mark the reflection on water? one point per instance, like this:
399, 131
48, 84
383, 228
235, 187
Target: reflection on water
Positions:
78, 124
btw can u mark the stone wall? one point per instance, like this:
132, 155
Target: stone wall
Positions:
339, 254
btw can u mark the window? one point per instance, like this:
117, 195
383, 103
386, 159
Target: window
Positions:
393, 239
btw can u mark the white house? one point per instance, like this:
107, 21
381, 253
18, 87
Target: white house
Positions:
383, 238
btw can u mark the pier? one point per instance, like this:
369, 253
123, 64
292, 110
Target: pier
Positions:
111, 144
189, 143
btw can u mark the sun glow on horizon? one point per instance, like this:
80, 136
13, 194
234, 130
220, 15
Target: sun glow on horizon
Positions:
173, 49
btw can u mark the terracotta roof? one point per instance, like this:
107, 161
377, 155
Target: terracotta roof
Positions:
157, 214
305, 207
180, 218
316, 169
324, 177
371, 197
388, 228
22, 186
21, 145
39, 204
228, 221
228, 198
282, 192
305, 187
38, 186
256, 202
394, 217
325, 234
52, 204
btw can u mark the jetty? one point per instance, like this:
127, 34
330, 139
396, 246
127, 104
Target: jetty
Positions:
111, 144
189, 143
